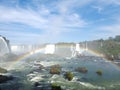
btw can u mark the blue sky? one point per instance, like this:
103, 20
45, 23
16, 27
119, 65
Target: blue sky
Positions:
51, 21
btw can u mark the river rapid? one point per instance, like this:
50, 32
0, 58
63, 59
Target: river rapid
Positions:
27, 73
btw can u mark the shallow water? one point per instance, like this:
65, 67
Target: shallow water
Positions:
26, 73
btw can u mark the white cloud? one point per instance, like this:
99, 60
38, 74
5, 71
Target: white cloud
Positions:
19, 37
109, 30
43, 17
53, 20
98, 8
43, 20
113, 29
67, 6
36, 19
27, 17
109, 2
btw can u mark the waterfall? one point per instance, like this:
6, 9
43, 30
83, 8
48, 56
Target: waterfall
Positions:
63, 50
17, 49
77, 47
77, 50
50, 49
4, 46
20, 49
73, 50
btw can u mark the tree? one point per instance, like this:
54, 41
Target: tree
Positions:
117, 38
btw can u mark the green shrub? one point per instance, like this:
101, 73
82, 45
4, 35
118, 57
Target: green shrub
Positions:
55, 86
99, 72
69, 76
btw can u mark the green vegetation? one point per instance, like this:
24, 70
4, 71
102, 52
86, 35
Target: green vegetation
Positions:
69, 76
55, 86
99, 72
109, 48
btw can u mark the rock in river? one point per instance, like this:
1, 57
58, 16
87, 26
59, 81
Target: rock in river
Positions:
81, 69
4, 79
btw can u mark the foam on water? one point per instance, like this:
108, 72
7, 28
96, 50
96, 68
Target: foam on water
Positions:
25, 66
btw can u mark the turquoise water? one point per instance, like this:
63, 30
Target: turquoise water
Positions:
27, 73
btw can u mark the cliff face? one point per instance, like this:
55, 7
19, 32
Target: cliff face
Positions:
4, 46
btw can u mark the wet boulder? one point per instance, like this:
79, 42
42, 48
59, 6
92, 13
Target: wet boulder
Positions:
36, 84
41, 67
81, 69
2, 70
55, 69
42, 86
4, 79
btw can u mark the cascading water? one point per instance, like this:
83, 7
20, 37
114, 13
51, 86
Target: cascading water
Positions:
64, 50
77, 47
4, 46
77, 50
50, 49
21, 49
17, 49
68, 50
73, 51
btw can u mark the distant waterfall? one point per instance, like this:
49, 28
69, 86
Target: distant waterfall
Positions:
50, 49
20, 48
77, 47
62, 49
77, 50
73, 50
4, 46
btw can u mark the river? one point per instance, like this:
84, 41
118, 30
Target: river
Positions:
27, 72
